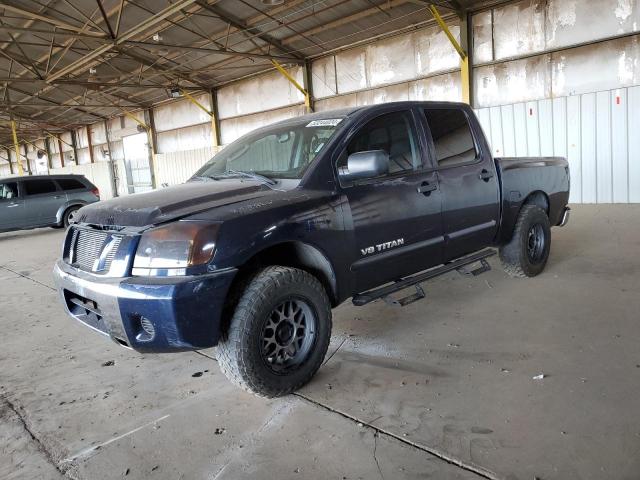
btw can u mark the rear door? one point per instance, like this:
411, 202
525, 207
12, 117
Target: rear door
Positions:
42, 200
468, 181
395, 218
11, 206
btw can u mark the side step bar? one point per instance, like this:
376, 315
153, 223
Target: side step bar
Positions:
384, 292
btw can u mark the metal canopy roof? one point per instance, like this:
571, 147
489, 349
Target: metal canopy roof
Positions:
64, 63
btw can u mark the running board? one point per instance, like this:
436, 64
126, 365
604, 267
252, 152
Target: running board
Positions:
415, 280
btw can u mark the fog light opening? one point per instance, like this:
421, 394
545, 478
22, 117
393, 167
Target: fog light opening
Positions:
147, 330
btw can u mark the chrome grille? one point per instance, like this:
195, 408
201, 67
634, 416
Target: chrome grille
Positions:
93, 250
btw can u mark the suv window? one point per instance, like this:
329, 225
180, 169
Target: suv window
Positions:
35, 187
70, 183
393, 133
452, 136
8, 190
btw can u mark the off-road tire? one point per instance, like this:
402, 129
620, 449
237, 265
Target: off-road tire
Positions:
515, 257
66, 217
239, 350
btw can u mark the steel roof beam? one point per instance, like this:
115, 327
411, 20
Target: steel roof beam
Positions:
128, 35
52, 21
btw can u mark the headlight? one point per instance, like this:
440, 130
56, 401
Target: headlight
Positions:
172, 249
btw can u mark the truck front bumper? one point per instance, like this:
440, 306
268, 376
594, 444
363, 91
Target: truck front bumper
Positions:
148, 314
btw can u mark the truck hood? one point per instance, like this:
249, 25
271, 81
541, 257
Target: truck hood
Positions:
172, 203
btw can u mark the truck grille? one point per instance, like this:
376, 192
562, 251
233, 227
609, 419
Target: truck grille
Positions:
93, 250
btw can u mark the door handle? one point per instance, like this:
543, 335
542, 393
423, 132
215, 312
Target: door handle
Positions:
426, 188
485, 175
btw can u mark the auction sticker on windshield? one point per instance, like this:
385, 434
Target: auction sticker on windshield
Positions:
329, 122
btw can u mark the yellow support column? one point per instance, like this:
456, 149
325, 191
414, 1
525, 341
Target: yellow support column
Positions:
212, 113
465, 72
294, 82
15, 145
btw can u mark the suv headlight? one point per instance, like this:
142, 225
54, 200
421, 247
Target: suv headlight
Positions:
173, 249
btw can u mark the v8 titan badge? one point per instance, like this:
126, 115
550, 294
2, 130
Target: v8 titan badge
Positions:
382, 246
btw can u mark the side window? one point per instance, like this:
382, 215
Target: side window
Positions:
70, 184
452, 137
35, 187
394, 133
8, 190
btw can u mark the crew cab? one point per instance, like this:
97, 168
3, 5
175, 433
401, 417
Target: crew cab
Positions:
286, 223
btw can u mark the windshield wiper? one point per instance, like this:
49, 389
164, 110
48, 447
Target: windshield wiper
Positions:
253, 175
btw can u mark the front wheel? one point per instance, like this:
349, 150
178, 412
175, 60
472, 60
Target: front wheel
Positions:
527, 253
279, 332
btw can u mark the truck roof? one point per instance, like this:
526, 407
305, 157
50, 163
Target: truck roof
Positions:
348, 111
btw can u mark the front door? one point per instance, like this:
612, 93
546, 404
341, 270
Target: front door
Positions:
11, 206
396, 226
468, 181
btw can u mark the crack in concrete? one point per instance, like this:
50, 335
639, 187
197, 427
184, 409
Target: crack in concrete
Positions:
375, 448
334, 352
48, 454
28, 278
470, 467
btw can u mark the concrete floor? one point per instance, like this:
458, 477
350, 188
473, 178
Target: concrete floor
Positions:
442, 388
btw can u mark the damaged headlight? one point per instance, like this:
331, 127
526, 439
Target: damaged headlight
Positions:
175, 248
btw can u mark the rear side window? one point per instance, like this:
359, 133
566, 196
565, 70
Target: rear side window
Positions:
35, 187
452, 137
70, 184
8, 190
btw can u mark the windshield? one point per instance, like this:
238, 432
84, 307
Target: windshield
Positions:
280, 152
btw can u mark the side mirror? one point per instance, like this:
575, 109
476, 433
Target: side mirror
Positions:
361, 165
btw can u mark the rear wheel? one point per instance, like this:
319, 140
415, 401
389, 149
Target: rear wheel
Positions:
527, 253
279, 332
69, 215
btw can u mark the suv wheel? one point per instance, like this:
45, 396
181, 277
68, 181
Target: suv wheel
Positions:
279, 332
527, 253
69, 215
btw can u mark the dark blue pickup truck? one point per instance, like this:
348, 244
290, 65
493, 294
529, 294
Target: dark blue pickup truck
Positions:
253, 252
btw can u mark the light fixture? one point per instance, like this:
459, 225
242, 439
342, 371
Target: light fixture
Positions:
272, 3
156, 37
175, 92
92, 70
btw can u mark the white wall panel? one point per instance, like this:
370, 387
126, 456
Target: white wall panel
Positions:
634, 144
596, 132
520, 129
533, 129
559, 107
574, 146
508, 132
182, 113
496, 132
177, 167
234, 128
546, 127
589, 162
604, 178
264, 92
619, 143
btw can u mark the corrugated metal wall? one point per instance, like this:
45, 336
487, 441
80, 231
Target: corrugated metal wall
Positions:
598, 132
176, 167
